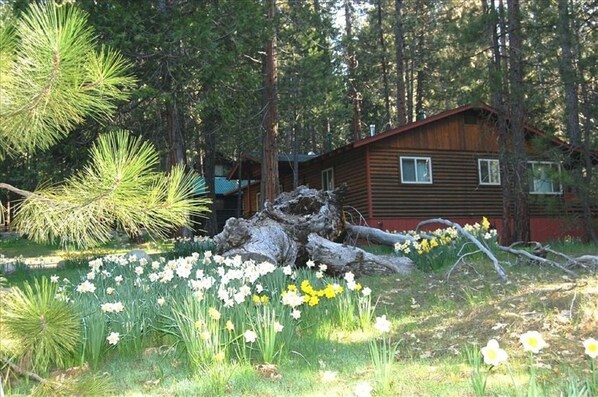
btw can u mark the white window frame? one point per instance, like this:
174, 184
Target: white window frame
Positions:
488, 161
328, 179
415, 160
532, 183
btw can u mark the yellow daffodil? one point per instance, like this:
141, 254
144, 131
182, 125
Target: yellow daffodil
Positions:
485, 223
313, 301
219, 357
229, 326
214, 314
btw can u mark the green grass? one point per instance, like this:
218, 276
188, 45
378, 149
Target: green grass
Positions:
15, 247
433, 320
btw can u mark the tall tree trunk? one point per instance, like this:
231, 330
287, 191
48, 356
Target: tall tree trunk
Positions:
517, 109
420, 63
174, 133
410, 67
495, 71
384, 64
571, 82
400, 61
354, 94
210, 127
269, 182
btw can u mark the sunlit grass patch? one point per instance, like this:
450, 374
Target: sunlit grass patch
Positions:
432, 320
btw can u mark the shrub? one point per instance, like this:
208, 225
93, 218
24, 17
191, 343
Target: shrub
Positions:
47, 328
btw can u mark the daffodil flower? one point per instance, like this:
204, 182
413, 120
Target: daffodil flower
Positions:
493, 354
591, 346
532, 341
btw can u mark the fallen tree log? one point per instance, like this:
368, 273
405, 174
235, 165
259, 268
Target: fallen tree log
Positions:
340, 258
376, 235
281, 232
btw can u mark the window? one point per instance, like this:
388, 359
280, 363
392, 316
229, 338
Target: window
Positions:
544, 177
328, 179
416, 170
489, 171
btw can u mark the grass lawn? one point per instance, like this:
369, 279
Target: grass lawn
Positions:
44, 255
433, 321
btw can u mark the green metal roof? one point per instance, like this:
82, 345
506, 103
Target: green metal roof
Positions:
222, 185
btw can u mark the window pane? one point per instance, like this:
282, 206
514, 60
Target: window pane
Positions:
543, 178
494, 169
423, 170
489, 171
484, 172
408, 168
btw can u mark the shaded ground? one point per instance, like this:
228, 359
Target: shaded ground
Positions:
438, 317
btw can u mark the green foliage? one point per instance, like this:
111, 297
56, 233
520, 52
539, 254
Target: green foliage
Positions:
478, 379
46, 328
83, 385
53, 78
120, 186
434, 250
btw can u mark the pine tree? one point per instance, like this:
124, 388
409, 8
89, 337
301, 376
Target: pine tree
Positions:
53, 78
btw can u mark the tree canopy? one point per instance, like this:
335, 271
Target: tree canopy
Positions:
342, 66
54, 77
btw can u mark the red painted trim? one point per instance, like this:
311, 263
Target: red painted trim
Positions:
368, 182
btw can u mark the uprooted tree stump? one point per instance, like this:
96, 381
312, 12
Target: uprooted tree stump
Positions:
300, 225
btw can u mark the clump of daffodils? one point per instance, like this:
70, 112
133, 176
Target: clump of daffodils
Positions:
424, 243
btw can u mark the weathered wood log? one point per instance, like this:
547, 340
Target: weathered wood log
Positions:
281, 232
261, 241
341, 258
376, 235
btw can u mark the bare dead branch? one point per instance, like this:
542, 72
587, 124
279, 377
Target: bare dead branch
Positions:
16, 190
459, 260
376, 235
537, 258
22, 371
499, 269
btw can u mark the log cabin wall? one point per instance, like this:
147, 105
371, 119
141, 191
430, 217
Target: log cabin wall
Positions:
454, 146
250, 199
349, 168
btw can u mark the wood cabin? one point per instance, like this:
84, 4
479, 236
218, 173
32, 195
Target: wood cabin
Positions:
442, 166
248, 172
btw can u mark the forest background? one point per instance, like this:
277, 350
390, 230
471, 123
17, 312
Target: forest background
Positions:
231, 77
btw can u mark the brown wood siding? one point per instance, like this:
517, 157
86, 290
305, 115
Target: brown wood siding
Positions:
454, 148
448, 134
249, 200
455, 191
348, 168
